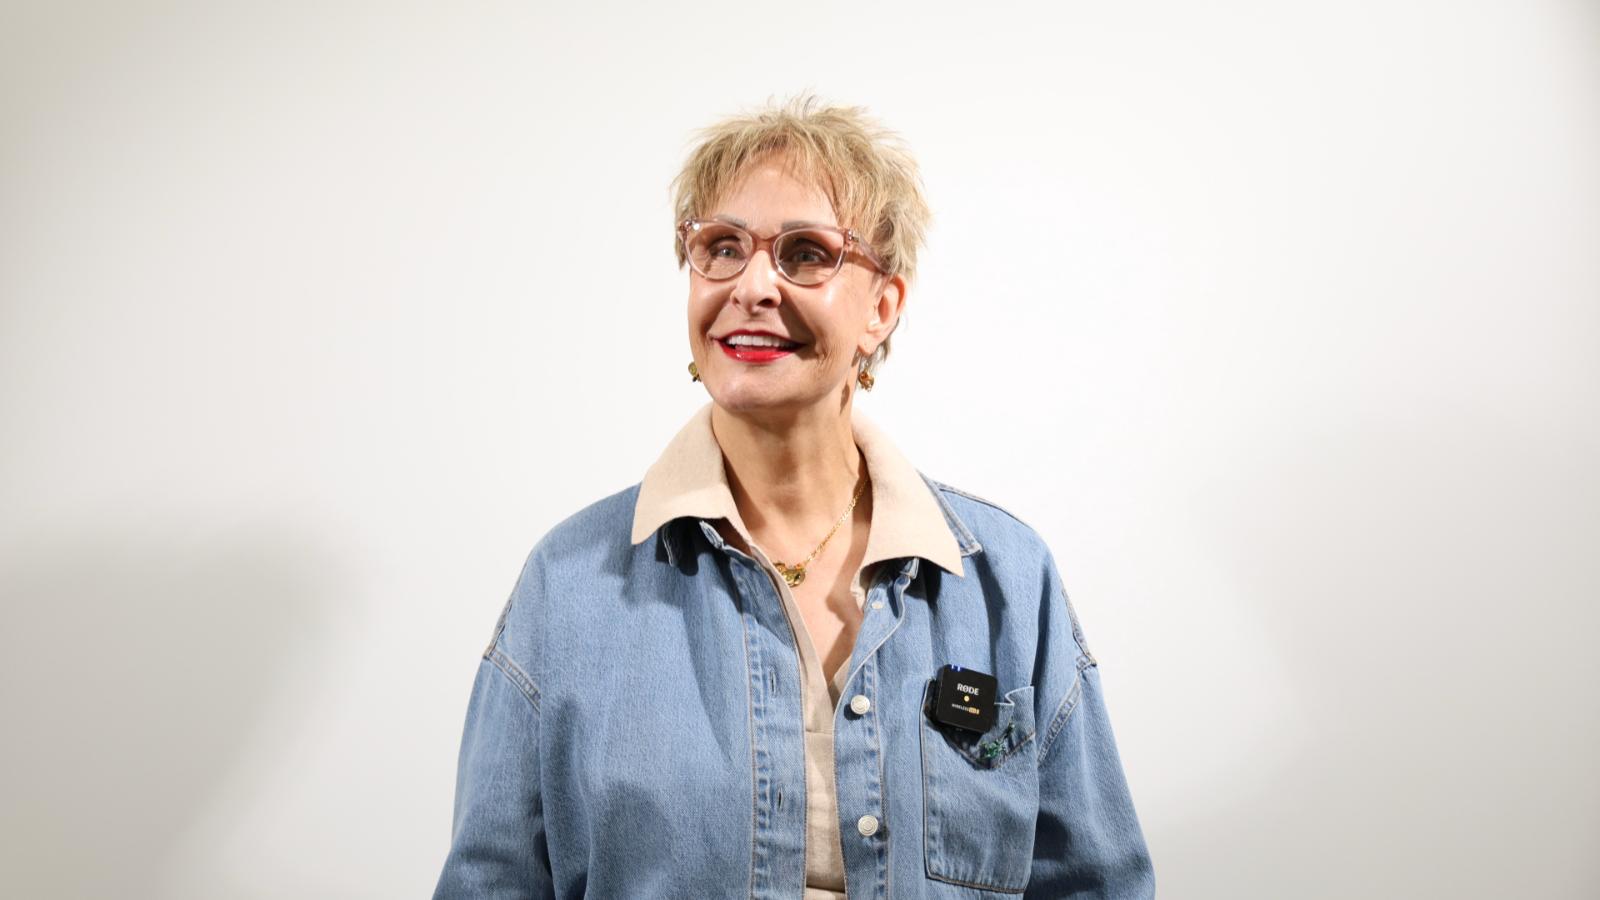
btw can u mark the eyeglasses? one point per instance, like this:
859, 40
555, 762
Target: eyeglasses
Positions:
807, 255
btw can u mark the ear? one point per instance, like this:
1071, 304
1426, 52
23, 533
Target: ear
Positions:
889, 300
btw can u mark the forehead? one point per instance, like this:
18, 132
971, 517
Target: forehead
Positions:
769, 196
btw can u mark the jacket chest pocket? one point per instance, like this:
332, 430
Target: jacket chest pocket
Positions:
980, 798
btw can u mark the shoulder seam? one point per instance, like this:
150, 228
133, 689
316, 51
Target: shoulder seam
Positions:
500, 626
1067, 706
986, 502
1086, 656
511, 670
989, 503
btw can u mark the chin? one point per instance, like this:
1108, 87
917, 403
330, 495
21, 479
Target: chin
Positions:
750, 398
741, 400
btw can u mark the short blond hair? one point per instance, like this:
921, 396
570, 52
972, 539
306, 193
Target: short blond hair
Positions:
865, 169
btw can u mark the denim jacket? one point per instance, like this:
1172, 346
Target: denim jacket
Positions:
635, 727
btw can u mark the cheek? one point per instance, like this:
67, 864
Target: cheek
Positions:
844, 316
702, 308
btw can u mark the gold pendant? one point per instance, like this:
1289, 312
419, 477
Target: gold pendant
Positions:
793, 576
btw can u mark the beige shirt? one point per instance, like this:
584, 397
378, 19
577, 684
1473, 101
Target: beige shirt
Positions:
689, 480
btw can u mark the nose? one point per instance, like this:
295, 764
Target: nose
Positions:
758, 282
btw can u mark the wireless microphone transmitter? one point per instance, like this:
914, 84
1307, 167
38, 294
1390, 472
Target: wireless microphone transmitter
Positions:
964, 698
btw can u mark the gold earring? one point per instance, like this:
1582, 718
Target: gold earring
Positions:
865, 379
694, 372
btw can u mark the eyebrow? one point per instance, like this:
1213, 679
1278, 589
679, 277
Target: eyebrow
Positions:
792, 223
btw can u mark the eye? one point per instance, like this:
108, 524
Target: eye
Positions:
725, 248
806, 252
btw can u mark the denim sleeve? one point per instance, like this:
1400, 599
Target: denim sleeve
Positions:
497, 841
1088, 843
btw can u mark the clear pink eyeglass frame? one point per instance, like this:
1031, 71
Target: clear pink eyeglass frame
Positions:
852, 238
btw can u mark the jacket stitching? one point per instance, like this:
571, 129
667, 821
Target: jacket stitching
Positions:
965, 537
974, 497
751, 665
514, 672
500, 624
973, 884
1077, 632
1064, 711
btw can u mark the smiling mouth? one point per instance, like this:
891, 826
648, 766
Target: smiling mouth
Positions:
754, 353
781, 344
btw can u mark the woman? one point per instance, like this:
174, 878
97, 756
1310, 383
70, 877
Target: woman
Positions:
786, 663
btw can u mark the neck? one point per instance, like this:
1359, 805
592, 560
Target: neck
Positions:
792, 475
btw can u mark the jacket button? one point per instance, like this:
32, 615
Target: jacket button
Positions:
867, 825
859, 704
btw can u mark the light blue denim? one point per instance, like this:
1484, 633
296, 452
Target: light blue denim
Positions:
635, 728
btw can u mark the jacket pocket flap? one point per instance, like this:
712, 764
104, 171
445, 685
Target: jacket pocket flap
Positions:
1013, 729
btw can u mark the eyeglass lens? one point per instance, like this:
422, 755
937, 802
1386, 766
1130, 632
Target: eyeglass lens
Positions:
806, 256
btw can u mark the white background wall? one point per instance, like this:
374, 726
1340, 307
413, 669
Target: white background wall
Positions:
1280, 322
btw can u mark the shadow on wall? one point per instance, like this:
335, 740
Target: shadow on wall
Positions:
132, 672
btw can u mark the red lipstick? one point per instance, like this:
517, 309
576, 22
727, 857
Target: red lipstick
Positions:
756, 354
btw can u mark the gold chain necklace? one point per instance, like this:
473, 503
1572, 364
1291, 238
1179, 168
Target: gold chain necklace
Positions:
796, 574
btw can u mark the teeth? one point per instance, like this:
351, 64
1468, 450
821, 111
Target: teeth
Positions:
756, 340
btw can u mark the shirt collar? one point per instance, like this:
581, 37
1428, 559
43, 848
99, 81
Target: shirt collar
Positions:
908, 520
